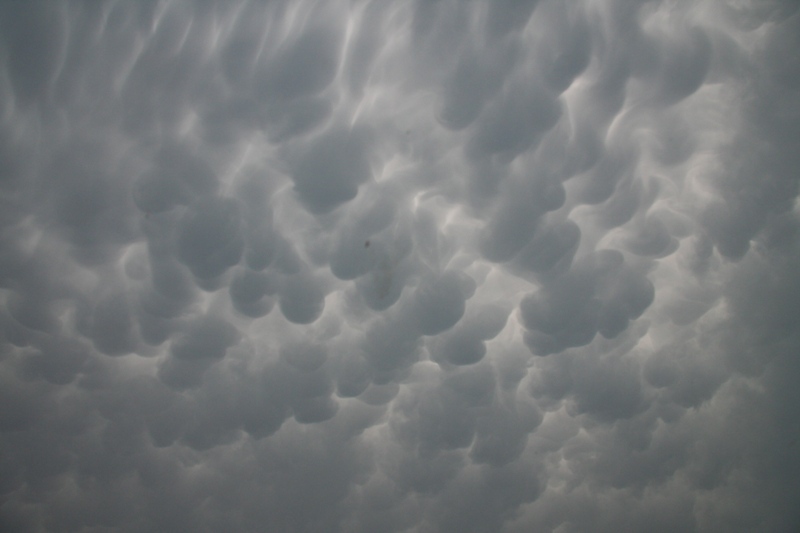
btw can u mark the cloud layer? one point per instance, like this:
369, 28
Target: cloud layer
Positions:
399, 266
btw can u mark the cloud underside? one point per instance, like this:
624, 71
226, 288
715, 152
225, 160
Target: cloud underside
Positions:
400, 266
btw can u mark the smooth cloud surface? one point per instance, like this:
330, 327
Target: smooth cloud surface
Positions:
400, 266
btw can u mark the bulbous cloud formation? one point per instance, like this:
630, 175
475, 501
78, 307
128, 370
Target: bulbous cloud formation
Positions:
366, 266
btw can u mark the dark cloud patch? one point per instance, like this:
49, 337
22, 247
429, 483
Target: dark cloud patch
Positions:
517, 217
298, 117
250, 293
33, 313
176, 176
465, 344
505, 16
474, 80
204, 342
34, 40
551, 250
439, 303
305, 64
600, 183
652, 239
239, 55
210, 239
352, 376
351, 257
86, 202
302, 299
515, 123
329, 172
607, 388
688, 384
564, 46
390, 348
111, 325
478, 499
58, 361
599, 295
683, 64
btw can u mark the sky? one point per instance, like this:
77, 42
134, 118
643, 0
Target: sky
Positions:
412, 266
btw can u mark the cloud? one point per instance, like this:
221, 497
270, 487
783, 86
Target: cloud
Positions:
409, 266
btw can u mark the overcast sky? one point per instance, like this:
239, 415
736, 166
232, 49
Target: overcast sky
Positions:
411, 266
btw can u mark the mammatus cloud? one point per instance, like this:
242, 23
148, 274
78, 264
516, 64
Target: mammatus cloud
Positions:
399, 266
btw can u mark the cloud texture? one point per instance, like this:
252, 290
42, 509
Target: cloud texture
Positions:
400, 266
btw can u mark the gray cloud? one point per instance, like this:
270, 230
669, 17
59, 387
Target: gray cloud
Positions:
410, 266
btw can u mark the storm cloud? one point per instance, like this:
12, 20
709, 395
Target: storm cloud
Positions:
400, 266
